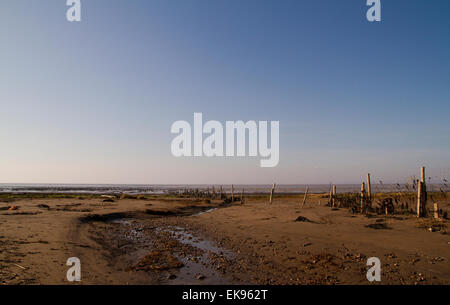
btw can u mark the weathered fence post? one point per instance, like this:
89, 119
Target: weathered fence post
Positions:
333, 197
271, 193
369, 192
425, 193
436, 211
329, 199
221, 192
419, 198
363, 196
242, 196
232, 193
421, 194
306, 195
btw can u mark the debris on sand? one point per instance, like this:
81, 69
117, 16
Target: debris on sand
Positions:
432, 225
43, 206
13, 208
21, 267
158, 261
200, 277
414, 260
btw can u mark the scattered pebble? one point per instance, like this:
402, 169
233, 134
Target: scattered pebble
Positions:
171, 276
201, 277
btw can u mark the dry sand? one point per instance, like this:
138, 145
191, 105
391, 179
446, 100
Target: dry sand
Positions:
187, 241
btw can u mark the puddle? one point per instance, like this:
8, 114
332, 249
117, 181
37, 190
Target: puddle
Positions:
201, 265
123, 221
185, 237
203, 212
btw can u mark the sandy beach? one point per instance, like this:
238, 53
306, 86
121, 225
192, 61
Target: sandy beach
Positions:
166, 240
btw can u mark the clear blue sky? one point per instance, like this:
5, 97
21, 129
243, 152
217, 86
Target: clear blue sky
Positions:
93, 102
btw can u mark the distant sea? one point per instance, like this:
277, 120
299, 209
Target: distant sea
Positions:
174, 188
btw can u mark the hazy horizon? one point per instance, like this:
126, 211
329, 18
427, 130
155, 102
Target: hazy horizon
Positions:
226, 188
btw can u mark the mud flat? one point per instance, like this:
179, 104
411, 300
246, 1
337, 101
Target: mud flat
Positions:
158, 240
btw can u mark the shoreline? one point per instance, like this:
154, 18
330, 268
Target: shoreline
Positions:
175, 189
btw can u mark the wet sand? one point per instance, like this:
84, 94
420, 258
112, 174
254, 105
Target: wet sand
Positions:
193, 241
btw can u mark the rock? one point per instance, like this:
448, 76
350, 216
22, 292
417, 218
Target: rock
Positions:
201, 277
171, 276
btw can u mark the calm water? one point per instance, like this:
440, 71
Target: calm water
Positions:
165, 189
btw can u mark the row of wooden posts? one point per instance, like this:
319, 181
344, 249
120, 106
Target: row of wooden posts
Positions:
365, 202
212, 193
366, 196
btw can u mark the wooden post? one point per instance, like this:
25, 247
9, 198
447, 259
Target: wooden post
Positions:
424, 190
422, 194
221, 192
419, 198
242, 196
333, 198
329, 199
436, 211
271, 193
369, 191
363, 196
306, 195
232, 193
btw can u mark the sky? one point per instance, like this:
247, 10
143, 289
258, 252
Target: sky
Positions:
94, 101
